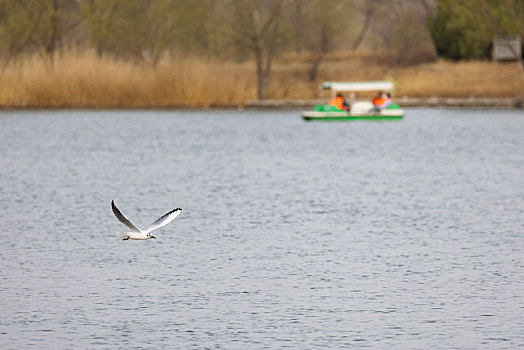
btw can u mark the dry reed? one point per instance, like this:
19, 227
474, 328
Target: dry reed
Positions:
85, 80
88, 81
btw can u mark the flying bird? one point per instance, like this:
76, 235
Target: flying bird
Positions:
144, 233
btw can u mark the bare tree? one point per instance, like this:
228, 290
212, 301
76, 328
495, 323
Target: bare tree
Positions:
27, 25
137, 29
163, 23
256, 26
326, 22
369, 11
407, 41
17, 26
99, 16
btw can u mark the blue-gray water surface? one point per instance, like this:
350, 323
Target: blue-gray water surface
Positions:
383, 235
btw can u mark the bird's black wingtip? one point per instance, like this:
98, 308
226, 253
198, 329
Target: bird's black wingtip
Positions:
174, 211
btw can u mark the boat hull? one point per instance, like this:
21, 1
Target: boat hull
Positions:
395, 114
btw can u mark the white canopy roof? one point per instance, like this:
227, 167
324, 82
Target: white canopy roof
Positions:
358, 86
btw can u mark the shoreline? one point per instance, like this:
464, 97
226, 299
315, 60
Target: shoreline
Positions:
404, 102
298, 104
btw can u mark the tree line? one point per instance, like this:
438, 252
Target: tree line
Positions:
149, 30
465, 29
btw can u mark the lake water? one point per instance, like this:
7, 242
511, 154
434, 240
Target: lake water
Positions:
404, 235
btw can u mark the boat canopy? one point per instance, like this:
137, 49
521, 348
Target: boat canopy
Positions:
351, 86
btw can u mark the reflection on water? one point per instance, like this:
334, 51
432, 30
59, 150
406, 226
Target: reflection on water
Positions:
383, 235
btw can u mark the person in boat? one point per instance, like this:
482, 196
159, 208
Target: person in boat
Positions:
339, 102
381, 101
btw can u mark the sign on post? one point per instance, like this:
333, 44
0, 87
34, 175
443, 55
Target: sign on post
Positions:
507, 48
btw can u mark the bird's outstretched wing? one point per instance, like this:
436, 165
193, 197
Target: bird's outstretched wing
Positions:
123, 219
163, 220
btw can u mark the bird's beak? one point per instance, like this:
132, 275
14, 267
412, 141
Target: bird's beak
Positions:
153, 237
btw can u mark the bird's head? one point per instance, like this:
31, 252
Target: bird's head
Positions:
150, 236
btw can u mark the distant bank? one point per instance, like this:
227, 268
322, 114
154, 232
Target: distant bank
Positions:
85, 80
405, 102
450, 102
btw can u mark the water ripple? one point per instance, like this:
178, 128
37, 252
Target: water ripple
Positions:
299, 235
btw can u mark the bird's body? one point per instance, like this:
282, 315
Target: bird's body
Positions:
135, 235
145, 233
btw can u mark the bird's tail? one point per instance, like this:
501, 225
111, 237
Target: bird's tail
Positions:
120, 235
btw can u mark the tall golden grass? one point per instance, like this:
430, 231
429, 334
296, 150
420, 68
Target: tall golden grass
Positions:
85, 80
439, 78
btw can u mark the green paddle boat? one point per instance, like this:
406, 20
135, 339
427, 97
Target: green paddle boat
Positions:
359, 110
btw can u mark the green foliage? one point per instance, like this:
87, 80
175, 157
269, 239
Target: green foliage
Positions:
465, 29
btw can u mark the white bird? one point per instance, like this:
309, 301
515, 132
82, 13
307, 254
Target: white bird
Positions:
144, 233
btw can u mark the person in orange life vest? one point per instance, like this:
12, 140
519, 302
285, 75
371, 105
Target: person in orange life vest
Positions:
339, 102
381, 101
